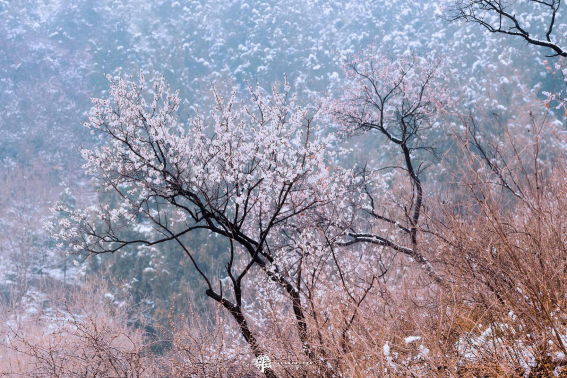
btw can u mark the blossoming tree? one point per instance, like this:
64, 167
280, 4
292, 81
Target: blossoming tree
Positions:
402, 100
244, 174
265, 178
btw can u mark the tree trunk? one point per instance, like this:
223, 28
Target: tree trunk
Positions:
237, 314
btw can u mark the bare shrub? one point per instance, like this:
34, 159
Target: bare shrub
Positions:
79, 332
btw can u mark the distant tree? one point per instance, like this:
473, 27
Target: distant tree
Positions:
514, 18
539, 23
401, 100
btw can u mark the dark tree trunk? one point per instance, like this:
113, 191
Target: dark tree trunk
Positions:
237, 314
